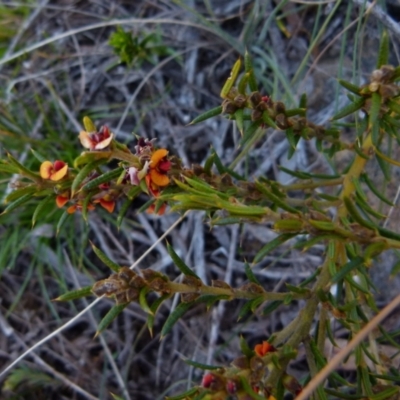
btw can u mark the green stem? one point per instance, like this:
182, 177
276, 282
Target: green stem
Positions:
355, 171
313, 184
323, 320
232, 293
303, 324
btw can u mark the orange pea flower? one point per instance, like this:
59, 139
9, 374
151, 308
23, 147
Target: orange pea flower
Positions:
108, 205
61, 200
78, 206
152, 209
263, 348
53, 171
159, 166
96, 140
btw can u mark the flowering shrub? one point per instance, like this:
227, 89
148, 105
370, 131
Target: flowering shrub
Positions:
348, 227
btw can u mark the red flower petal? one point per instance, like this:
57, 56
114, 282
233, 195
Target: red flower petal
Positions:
58, 164
61, 201
263, 349
108, 205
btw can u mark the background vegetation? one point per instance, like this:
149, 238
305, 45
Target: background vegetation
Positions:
61, 61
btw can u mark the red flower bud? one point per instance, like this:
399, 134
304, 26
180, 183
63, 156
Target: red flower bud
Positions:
208, 379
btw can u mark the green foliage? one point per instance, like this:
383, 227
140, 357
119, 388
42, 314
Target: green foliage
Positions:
135, 49
352, 236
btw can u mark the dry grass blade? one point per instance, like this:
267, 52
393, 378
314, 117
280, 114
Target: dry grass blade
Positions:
86, 28
380, 14
90, 306
339, 357
48, 337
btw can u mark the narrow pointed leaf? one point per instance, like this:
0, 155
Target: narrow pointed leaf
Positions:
23, 170
273, 244
225, 221
374, 190
388, 234
184, 396
102, 256
248, 67
207, 115
386, 394
275, 199
349, 109
292, 138
239, 120
268, 120
109, 317
244, 347
38, 156
208, 164
250, 275
75, 294
104, 178
347, 268
17, 203
296, 289
383, 162
90, 156
221, 168
322, 225
231, 80
85, 205
250, 131
242, 85
250, 306
386, 158
18, 193
204, 187
271, 306
61, 221
295, 111
143, 301
127, 203
116, 397
383, 55
179, 262
349, 86
83, 174
394, 106
303, 101
174, 317
363, 204
42, 208
352, 210
9, 169
376, 101
154, 308
202, 366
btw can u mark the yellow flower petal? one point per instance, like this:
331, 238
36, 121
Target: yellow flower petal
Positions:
158, 179
157, 156
46, 168
56, 176
85, 140
104, 143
